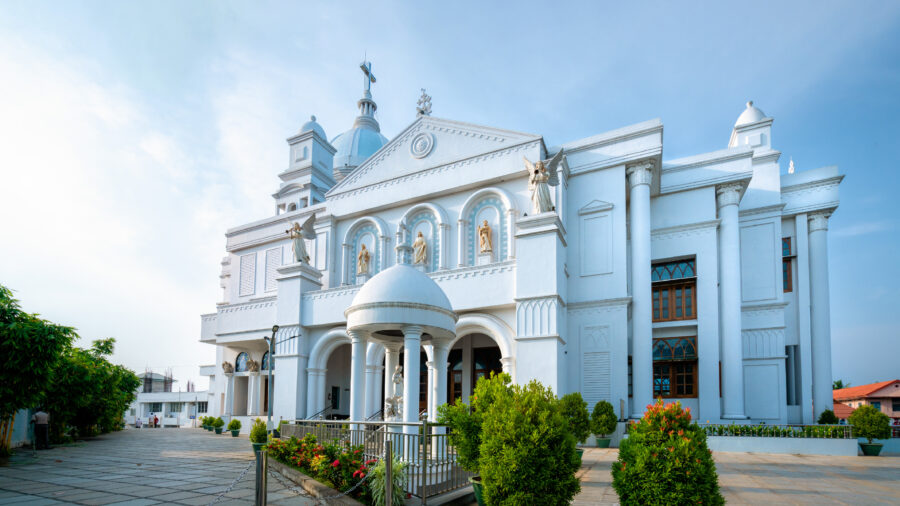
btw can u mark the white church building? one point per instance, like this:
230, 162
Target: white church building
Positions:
617, 273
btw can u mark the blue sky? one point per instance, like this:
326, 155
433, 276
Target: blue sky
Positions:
133, 134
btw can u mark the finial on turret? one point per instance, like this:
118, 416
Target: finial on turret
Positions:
424, 104
791, 166
749, 104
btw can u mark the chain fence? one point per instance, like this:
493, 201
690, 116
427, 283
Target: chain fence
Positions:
233, 483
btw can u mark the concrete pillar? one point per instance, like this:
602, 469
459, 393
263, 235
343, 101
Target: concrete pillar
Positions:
358, 345
461, 242
430, 391
412, 339
820, 320
640, 176
229, 393
253, 393
727, 198
439, 389
315, 398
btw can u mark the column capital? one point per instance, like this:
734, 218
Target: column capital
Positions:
409, 330
356, 336
729, 194
429, 364
639, 173
392, 347
818, 221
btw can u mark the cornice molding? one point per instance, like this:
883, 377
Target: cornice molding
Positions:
774, 209
683, 230
809, 185
603, 305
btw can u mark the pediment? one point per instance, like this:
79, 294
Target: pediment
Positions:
595, 206
428, 143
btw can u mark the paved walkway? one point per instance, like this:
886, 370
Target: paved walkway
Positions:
766, 478
137, 467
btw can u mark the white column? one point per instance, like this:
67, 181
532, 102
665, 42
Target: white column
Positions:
391, 361
412, 338
727, 198
370, 391
229, 393
820, 321
439, 390
315, 399
345, 265
461, 243
377, 401
358, 344
509, 366
444, 259
430, 389
253, 393
510, 234
639, 178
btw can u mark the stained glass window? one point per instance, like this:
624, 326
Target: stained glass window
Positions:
675, 367
240, 363
668, 271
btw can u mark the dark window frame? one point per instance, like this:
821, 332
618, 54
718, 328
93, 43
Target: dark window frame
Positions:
787, 266
679, 374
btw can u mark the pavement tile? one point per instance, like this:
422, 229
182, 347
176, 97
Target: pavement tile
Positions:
135, 502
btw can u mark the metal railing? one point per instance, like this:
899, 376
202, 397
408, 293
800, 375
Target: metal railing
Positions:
431, 467
321, 415
780, 431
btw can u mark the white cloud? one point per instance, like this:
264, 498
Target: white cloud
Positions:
858, 229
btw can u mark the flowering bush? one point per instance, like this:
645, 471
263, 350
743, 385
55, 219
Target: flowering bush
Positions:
337, 465
664, 460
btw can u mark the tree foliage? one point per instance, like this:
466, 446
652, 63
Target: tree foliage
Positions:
870, 423
574, 408
603, 419
31, 349
665, 460
828, 417
839, 384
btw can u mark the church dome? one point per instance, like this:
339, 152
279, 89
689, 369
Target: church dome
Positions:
398, 296
354, 146
312, 126
750, 115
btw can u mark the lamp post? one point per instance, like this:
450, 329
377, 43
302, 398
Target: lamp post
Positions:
271, 342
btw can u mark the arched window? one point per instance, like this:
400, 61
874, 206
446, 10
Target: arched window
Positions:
240, 363
292, 207
265, 362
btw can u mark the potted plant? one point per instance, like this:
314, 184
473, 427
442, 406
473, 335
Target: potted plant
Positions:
218, 424
574, 408
258, 435
870, 423
603, 423
235, 427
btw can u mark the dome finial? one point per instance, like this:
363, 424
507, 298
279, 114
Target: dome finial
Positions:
312, 117
749, 104
791, 166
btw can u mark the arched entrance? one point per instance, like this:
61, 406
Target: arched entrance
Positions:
473, 356
328, 377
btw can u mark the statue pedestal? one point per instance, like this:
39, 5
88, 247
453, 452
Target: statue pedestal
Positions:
484, 258
362, 278
420, 268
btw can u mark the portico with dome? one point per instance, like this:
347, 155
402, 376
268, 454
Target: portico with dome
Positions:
595, 265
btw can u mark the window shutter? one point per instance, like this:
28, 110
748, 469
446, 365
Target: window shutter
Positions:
273, 262
248, 274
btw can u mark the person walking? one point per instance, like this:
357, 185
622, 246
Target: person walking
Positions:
155, 421
41, 421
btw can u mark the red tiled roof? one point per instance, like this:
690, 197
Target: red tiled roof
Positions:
842, 411
859, 392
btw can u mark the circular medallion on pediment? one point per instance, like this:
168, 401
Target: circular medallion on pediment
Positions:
421, 145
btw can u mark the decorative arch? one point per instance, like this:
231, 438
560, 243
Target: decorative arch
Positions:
366, 225
240, 363
374, 353
490, 325
439, 241
318, 357
264, 363
504, 204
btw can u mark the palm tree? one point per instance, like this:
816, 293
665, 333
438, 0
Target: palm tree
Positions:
838, 384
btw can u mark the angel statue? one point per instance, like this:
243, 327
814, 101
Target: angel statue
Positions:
362, 260
298, 234
419, 249
541, 176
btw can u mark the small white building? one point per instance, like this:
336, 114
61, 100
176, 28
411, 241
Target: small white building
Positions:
174, 409
702, 279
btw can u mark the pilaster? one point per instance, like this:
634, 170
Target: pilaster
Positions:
728, 197
640, 176
820, 312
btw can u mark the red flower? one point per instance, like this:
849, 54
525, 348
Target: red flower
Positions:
370, 462
336, 463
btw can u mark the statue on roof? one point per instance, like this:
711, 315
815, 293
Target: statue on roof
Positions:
541, 176
424, 104
298, 234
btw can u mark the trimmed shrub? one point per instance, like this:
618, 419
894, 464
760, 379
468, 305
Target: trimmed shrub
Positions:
575, 410
665, 460
258, 432
218, 422
465, 421
828, 418
603, 419
234, 424
527, 450
870, 423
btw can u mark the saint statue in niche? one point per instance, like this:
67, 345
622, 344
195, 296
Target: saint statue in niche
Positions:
393, 404
419, 249
298, 233
362, 260
541, 176
485, 242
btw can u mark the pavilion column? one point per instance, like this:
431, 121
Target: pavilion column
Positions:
412, 339
430, 391
728, 197
371, 390
229, 394
358, 345
315, 400
391, 361
820, 321
639, 177
375, 387
441, 363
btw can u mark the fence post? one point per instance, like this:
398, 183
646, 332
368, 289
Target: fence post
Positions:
262, 467
423, 464
388, 473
